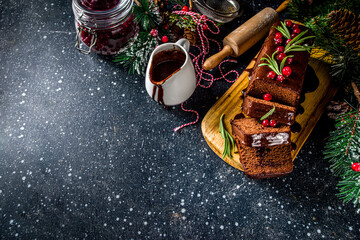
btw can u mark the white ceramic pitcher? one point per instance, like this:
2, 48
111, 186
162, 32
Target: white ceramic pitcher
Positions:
178, 86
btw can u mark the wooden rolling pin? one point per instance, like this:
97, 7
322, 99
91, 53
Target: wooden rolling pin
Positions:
245, 36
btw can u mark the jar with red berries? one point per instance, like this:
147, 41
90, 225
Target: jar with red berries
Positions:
105, 26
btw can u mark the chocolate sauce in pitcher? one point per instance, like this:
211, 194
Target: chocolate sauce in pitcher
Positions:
163, 66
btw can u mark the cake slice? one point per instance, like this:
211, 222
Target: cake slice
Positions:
264, 151
257, 108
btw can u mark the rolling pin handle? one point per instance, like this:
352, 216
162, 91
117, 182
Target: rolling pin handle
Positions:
283, 6
214, 60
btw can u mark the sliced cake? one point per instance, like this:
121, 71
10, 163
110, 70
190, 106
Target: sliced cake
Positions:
264, 152
257, 108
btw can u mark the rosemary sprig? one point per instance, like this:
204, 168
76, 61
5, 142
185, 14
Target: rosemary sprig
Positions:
272, 63
284, 30
294, 44
228, 139
268, 114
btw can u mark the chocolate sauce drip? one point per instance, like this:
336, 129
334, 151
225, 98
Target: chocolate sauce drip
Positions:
296, 127
238, 116
293, 146
311, 82
160, 96
300, 110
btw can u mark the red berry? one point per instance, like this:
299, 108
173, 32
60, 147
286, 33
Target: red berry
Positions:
297, 30
278, 41
293, 35
154, 32
164, 39
355, 166
295, 26
288, 23
287, 41
273, 123
281, 56
265, 123
185, 8
278, 35
205, 27
286, 71
280, 49
166, 27
289, 60
280, 78
267, 97
271, 74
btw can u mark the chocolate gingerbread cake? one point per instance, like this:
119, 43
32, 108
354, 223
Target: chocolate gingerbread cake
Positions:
286, 91
257, 108
264, 152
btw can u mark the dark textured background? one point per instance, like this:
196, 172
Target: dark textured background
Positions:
86, 153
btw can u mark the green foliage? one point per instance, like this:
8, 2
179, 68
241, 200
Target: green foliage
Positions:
342, 150
182, 21
136, 57
228, 139
147, 15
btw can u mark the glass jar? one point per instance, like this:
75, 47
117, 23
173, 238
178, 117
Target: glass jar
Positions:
104, 26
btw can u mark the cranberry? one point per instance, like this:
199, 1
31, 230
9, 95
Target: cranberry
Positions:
185, 8
278, 41
295, 26
286, 71
111, 41
287, 41
289, 60
280, 49
154, 32
278, 35
273, 123
271, 74
265, 123
288, 23
267, 97
280, 78
355, 166
293, 35
281, 56
297, 30
164, 39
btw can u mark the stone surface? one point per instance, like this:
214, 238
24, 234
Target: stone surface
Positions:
87, 154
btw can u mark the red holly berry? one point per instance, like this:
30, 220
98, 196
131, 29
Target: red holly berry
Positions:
166, 27
289, 60
265, 123
280, 49
185, 8
267, 97
286, 71
281, 56
164, 39
280, 78
288, 23
355, 166
297, 30
271, 74
278, 35
273, 123
287, 41
154, 32
278, 41
293, 35
295, 26
205, 27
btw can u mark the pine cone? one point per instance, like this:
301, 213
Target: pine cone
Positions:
336, 107
346, 25
190, 35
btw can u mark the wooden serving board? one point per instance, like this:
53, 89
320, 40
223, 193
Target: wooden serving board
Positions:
230, 104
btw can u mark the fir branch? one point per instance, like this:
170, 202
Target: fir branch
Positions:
147, 14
